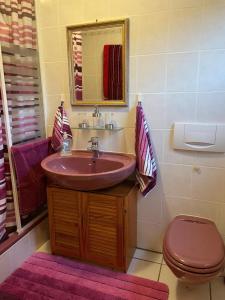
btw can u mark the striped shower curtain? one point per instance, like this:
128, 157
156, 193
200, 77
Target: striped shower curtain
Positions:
20, 61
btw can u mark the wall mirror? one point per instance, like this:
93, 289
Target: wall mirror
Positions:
98, 63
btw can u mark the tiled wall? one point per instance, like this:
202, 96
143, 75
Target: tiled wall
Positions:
177, 61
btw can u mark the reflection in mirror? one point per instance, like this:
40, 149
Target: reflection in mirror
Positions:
98, 59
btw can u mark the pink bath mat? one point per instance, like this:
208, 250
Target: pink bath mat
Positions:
44, 276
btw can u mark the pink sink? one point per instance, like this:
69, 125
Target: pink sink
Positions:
81, 171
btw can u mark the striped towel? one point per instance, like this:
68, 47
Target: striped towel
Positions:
146, 167
61, 125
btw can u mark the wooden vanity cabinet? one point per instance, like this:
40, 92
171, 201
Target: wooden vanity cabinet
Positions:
98, 227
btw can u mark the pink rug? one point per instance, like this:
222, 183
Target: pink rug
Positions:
45, 276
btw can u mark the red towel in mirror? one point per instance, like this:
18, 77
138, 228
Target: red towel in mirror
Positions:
112, 72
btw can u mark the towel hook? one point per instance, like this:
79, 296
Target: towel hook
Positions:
138, 97
62, 102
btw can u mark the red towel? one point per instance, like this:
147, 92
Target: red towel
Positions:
112, 72
146, 166
30, 177
61, 125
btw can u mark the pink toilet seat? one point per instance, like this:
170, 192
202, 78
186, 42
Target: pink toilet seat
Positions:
215, 269
193, 248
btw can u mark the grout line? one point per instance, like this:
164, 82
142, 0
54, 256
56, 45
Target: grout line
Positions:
147, 260
160, 273
147, 250
210, 291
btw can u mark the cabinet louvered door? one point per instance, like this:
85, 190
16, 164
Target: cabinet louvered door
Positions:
103, 229
64, 218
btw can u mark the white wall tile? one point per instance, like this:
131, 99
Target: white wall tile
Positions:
54, 76
221, 220
131, 7
213, 28
212, 71
139, 233
178, 206
132, 75
209, 184
210, 159
93, 10
176, 180
129, 136
151, 73
152, 236
50, 42
71, 12
215, 2
47, 13
185, 3
174, 206
132, 35
180, 107
63, 43
53, 103
157, 143
184, 29
182, 72
154, 39
155, 110
211, 107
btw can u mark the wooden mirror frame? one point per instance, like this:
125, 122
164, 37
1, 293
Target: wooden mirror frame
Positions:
124, 23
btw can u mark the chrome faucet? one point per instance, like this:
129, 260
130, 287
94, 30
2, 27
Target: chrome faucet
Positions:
94, 147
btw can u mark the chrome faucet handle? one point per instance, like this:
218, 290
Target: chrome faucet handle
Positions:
94, 140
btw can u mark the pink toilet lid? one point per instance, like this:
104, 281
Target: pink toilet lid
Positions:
194, 241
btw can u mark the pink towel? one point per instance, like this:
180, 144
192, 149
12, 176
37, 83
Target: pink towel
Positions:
30, 177
146, 166
61, 125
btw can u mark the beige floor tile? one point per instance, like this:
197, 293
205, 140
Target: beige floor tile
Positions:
45, 248
179, 291
218, 289
148, 255
144, 269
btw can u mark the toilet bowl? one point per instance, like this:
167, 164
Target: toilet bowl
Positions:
193, 249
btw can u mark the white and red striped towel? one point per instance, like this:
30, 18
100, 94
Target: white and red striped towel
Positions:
61, 125
146, 171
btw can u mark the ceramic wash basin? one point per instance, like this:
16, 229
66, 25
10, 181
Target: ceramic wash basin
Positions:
82, 171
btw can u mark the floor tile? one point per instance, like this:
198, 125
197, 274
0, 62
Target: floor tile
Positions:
144, 269
148, 255
45, 247
218, 289
179, 291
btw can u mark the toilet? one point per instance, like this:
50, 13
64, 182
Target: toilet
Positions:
193, 249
